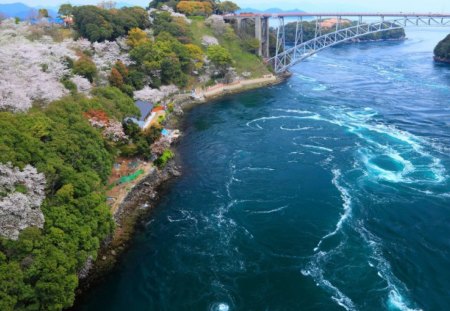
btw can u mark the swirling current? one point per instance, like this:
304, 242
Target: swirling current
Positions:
330, 191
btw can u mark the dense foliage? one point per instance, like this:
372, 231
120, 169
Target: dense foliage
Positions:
85, 67
39, 271
97, 24
197, 8
219, 56
165, 61
442, 50
176, 26
164, 158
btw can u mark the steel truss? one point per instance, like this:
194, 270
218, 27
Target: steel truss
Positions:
285, 58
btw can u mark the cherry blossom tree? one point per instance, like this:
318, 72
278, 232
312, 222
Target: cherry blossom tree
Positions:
22, 193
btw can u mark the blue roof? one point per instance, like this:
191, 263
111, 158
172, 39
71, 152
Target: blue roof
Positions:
145, 108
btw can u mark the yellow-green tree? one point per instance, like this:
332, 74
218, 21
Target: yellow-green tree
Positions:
195, 8
137, 37
197, 55
43, 13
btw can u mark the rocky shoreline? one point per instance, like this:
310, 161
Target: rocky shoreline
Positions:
441, 60
143, 197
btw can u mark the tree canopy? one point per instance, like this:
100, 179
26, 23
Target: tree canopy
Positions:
219, 56
39, 270
197, 8
225, 7
97, 24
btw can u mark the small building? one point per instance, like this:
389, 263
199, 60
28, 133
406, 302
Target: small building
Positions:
68, 21
146, 112
145, 108
158, 109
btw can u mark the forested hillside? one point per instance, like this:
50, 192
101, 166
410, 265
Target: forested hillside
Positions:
65, 93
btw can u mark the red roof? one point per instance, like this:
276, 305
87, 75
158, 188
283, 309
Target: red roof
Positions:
159, 108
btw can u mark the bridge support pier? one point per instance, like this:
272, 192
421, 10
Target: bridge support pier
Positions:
262, 31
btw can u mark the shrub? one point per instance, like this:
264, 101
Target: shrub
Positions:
85, 67
72, 87
164, 158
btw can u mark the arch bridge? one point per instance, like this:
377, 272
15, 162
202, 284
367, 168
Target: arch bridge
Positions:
342, 31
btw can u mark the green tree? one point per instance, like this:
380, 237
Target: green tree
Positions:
164, 61
136, 37
177, 27
97, 24
65, 10
219, 56
251, 45
38, 272
86, 68
227, 7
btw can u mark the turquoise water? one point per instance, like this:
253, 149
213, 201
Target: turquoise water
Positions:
328, 192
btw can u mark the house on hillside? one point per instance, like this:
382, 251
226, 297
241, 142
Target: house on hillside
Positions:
68, 21
145, 108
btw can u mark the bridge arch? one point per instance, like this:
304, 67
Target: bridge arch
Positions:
288, 57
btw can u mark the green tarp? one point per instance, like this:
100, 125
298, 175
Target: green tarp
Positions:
131, 177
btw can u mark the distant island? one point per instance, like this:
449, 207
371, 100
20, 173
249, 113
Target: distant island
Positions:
442, 51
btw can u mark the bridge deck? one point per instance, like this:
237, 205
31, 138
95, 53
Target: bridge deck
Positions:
347, 14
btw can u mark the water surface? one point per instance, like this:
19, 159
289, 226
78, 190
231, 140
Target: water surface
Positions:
328, 192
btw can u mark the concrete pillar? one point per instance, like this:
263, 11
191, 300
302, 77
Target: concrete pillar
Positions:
238, 25
265, 44
258, 33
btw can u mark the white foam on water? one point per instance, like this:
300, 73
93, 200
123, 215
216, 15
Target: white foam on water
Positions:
378, 172
396, 301
313, 270
295, 111
220, 306
320, 88
298, 128
305, 78
347, 206
263, 119
402, 143
317, 147
185, 216
231, 180
271, 211
249, 168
